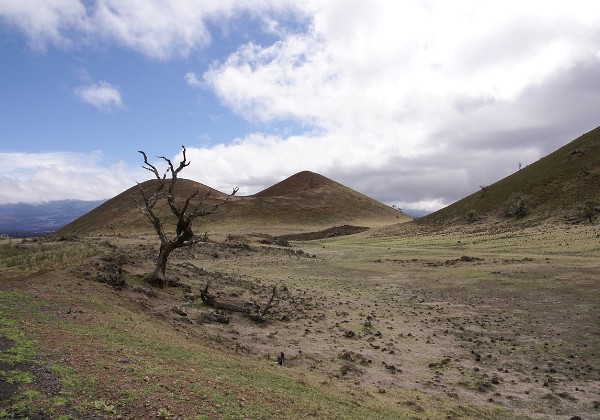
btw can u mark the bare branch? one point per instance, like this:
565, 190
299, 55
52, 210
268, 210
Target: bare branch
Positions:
140, 208
187, 202
199, 212
266, 310
169, 163
149, 166
183, 163
149, 203
175, 171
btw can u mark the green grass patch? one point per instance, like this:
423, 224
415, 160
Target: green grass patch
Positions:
16, 377
20, 348
18, 309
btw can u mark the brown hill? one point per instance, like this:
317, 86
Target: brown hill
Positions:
555, 188
304, 202
120, 214
299, 183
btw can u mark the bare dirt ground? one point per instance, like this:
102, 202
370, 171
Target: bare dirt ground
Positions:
452, 324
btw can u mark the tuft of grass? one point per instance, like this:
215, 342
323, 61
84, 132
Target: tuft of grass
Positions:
68, 376
103, 406
164, 413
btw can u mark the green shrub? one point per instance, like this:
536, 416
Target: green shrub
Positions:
517, 206
590, 210
471, 216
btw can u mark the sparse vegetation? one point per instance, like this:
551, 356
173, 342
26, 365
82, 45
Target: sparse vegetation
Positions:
517, 206
556, 185
471, 216
103, 406
590, 210
31, 256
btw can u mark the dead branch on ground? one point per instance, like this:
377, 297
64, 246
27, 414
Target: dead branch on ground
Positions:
255, 314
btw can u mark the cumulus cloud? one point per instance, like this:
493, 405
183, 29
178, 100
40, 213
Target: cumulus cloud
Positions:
35, 177
101, 95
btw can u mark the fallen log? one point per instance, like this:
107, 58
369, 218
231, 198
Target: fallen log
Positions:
253, 313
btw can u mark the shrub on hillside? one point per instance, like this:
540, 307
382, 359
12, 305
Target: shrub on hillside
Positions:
590, 210
471, 216
517, 206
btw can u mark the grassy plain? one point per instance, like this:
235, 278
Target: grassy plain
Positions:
417, 325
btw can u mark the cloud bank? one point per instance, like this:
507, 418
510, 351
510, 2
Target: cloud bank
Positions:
414, 103
35, 177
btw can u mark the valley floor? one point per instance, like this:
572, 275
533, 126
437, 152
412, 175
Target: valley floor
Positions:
420, 325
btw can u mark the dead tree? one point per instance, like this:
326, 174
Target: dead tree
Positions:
483, 189
256, 314
184, 213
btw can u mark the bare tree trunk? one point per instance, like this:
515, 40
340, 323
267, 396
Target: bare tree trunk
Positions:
158, 278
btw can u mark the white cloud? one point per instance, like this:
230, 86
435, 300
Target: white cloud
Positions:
45, 21
385, 60
192, 80
101, 95
414, 102
35, 177
156, 28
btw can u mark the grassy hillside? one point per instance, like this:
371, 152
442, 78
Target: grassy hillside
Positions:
555, 186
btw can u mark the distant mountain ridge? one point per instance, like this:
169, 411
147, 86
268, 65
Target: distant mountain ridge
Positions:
23, 219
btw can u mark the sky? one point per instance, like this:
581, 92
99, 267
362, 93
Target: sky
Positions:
413, 103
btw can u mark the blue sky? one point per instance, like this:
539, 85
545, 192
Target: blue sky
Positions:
43, 110
414, 103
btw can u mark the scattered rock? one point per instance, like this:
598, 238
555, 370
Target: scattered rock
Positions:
210, 317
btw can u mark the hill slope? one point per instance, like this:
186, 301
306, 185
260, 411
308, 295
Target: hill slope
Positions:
554, 186
300, 183
301, 203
